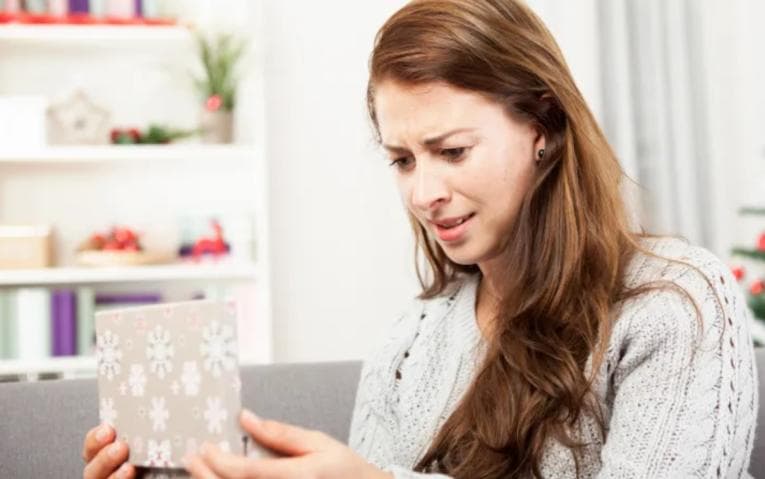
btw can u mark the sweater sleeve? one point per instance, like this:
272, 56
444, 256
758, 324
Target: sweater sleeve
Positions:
684, 405
374, 424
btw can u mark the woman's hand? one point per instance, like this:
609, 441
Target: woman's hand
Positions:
104, 457
311, 454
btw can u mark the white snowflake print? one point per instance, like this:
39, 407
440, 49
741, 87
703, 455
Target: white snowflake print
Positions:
218, 348
108, 354
158, 414
224, 446
106, 412
214, 414
159, 351
190, 378
158, 452
137, 380
236, 384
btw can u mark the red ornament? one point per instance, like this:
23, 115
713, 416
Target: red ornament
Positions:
761, 242
215, 245
757, 287
738, 272
213, 103
135, 134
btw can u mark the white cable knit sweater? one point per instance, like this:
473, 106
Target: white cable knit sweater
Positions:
664, 419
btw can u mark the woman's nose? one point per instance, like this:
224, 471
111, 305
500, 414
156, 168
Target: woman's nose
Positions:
430, 188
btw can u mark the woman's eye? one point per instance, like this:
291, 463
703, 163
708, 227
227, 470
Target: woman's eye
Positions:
453, 153
402, 163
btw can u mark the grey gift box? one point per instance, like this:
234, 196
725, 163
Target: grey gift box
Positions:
168, 380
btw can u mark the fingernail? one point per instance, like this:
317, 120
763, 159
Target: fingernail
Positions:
102, 432
114, 449
122, 472
250, 416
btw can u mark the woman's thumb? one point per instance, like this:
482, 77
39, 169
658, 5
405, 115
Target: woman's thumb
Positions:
281, 437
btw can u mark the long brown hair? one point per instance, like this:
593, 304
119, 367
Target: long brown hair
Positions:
572, 234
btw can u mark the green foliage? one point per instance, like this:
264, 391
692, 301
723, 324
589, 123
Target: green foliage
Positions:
219, 56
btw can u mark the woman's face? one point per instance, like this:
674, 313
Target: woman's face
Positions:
462, 165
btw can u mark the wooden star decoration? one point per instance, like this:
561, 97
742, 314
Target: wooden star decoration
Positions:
78, 120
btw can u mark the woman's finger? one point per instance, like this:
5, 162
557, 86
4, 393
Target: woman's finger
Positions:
106, 461
126, 471
225, 464
198, 468
95, 440
284, 438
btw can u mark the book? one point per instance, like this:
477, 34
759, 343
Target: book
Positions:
86, 306
7, 326
32, 334
64, 322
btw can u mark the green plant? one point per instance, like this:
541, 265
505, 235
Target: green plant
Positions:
219, 55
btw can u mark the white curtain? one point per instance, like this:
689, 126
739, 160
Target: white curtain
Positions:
655, 111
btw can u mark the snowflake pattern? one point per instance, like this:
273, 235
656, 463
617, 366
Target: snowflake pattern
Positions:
108, 354
159, 351
158, 414
158, 452
170, 366
137, 380
106, 412
190, 378
215, 414
218, 348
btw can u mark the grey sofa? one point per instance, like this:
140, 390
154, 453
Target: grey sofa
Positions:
43, 423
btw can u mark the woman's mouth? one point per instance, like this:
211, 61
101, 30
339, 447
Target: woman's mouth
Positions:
452, 229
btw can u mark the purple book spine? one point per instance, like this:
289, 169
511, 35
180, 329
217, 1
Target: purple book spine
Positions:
64, 323
79, 6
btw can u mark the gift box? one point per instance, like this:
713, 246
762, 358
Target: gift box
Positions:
25, 246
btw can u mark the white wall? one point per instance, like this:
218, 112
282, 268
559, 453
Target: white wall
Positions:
341, 254
342, 258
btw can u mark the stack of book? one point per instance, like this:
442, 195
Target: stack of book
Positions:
39, 323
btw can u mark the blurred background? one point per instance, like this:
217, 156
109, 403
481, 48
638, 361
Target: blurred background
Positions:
162, 150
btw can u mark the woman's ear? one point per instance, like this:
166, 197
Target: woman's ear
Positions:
539, 147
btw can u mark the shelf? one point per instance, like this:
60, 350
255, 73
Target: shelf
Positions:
224, 271
117, 153
66, 367
131, 35
70, 367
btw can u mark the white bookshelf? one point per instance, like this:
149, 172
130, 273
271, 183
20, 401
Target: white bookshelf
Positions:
141, 74
85, 35
125, 153
71, 367
208, 271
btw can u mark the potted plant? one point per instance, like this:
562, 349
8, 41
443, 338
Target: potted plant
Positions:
219, 55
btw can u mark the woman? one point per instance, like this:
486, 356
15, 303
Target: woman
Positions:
550, 340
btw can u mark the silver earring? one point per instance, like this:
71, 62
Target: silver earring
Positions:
540, 154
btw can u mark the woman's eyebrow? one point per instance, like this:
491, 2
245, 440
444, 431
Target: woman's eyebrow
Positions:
429, 142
